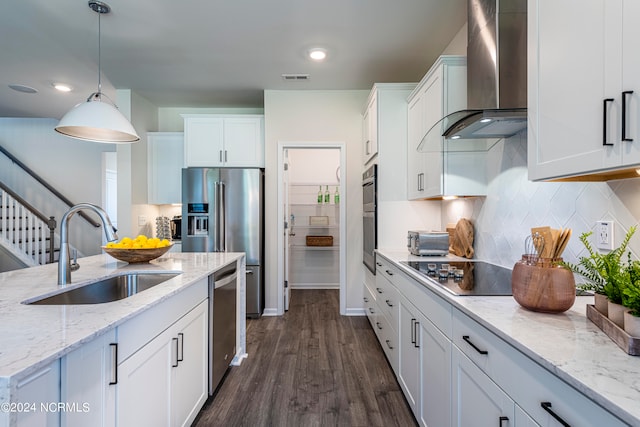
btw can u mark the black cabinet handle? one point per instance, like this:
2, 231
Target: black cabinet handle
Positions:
501, 419
389, 345
388, 303
605, 121
181, 353
468, 340
371, 310
176, 364
365, 299
379, 290
114, 361
624, 115
389, 272
547, 407
378, 264
378, 325
416, 344
413, 332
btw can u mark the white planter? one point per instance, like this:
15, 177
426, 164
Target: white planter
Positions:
632, 324
601, 303
616, 313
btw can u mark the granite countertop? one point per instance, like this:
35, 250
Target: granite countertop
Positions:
567, 344
35, 335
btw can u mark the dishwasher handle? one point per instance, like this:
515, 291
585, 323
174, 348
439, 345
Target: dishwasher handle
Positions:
219, 282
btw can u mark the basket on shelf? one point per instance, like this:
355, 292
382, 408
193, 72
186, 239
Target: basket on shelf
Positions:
319, 240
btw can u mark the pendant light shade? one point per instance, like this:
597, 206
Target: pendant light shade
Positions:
97, 119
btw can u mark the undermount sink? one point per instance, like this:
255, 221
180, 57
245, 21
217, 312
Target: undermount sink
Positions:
105, 290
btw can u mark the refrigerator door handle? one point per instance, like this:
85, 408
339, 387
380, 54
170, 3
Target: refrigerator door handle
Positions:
221, 224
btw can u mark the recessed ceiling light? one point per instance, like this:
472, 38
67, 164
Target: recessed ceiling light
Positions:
62, 87
23, 88
318, 54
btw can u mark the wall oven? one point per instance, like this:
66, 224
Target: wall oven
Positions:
369, 221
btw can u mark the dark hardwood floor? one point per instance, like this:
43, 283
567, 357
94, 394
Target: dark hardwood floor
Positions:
310, 367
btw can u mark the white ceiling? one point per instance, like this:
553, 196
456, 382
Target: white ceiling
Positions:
213, 53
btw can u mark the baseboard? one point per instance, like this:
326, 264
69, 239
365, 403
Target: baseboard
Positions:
314, 285
355, 312
270, 312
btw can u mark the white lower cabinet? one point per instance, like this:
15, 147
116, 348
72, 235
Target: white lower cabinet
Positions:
34, 395
478, 401
88, 383
425, 367
454, 371
164, 383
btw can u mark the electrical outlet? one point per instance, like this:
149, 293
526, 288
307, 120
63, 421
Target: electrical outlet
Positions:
604, 235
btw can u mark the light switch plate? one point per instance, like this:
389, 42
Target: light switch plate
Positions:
604, 235
142, 220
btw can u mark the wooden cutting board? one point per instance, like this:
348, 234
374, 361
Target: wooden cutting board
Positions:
462, 243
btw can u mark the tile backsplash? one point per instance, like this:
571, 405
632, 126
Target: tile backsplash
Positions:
514, 204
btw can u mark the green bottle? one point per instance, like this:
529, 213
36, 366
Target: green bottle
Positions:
327, 195
336, 197
320, 195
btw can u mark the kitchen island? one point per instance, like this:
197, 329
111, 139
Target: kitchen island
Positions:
547, 347
35, 337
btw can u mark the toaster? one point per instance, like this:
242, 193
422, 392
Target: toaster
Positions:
433, 243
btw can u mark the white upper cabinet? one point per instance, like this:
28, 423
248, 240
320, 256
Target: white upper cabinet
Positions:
370, 128
583, 88
165, 158
438, 172
212, 140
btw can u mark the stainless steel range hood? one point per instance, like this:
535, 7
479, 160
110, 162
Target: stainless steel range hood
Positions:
496, 80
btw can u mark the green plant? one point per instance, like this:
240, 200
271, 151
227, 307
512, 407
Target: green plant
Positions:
606, 273
631, 293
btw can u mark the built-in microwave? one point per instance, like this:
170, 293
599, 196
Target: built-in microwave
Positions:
369, 222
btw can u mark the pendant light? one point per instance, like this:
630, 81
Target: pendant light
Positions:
98, 119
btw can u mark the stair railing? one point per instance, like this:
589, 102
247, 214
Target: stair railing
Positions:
47, 185
26, 230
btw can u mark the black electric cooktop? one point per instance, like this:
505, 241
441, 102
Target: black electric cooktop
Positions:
466, 277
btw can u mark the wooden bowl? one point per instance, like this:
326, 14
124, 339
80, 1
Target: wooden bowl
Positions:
544, 289
136, 255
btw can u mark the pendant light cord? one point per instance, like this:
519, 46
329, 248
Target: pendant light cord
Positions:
99, 55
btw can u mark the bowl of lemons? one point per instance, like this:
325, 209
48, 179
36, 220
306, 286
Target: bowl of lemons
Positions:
138, 249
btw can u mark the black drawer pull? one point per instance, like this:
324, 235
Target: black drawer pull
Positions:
468, 340
365, 299
501, 419
371, 310
547, 407
605, 126
378, 264
389, 345
388, 303
378, 325
389, 272
624, 115
379, 290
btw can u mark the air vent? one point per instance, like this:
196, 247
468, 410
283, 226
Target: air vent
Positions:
295, 77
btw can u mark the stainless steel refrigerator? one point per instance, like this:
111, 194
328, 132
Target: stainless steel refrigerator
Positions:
223, 211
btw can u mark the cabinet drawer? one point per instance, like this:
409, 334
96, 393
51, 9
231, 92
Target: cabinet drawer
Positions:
369, 305
526, 382
387, 300
388, 338
478, 344
434, 308
533, 387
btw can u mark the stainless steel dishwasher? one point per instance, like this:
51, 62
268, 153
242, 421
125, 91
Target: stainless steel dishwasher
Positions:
222, 323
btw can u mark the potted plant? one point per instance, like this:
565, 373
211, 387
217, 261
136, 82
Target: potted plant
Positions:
606, 274
631, 300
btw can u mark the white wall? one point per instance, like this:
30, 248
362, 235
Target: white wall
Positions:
71, 166
315, 116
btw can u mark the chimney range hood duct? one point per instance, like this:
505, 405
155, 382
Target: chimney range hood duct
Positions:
496, 80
